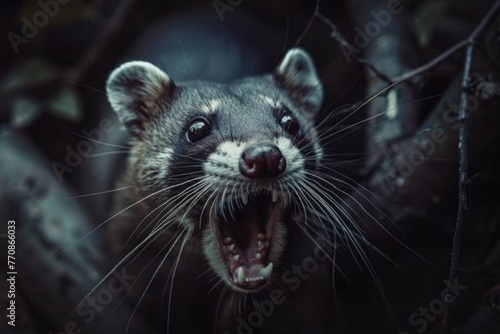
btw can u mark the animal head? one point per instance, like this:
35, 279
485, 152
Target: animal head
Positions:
230, 162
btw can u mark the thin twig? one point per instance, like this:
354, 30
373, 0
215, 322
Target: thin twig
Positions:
423, 68
463, 181
105, 41
95, 55
469, 43
340, 39
433, 63
410, 74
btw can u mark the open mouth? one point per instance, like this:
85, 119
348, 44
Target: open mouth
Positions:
246, 239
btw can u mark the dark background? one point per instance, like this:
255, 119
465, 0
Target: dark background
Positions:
53, 88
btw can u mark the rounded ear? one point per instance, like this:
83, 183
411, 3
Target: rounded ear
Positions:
298, 76
138, 91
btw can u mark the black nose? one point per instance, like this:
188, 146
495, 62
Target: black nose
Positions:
261, 161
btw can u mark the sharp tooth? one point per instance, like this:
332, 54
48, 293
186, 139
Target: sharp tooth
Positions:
261, 236
227, 240
244, 196
266, 271
230, 247
258, 255
275, 195
241, 275
236, 257
260, 244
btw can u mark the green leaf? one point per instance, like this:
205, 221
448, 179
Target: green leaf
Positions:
66, 104
24, 112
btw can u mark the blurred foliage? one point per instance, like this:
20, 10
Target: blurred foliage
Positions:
66, 104
79, 10
24, 111
28, 74
20, 100
25, 108
427, 18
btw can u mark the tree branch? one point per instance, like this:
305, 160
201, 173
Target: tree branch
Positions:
60, 260
392, 82
463, 169
108, 42
342, 41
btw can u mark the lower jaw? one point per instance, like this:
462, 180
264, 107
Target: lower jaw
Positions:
247, 269
250, 278
220, 263
250, 287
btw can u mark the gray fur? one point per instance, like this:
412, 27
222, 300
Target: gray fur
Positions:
138, 91
157, 113
298, 75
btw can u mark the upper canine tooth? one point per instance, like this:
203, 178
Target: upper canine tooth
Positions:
227, 240
241, 274
266, 271
275, 195
244, 197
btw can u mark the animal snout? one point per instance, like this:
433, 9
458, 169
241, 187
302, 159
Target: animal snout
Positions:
262, 161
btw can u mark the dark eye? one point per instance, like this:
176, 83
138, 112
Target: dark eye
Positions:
290, 124
198, 130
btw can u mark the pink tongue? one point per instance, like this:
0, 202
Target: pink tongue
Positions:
253, 271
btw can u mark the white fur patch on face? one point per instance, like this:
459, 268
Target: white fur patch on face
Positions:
294, 159
272, 102
224, 162
211, 106
162, 161
166, 155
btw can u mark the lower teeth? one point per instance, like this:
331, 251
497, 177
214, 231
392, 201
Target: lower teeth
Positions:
253, 279
264, 273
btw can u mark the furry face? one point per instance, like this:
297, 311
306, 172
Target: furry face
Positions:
225, 162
